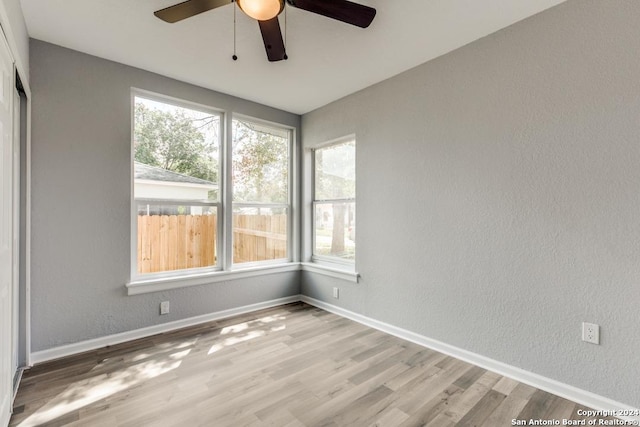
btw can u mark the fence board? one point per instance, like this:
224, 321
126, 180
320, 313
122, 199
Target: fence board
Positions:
189, 242
172, 243
181, 245
259, 237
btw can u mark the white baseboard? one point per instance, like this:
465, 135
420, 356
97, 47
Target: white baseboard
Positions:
79, 347
575, 394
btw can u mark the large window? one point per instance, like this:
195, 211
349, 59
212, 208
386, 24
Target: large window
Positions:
187, 218
261, 199
334, 204
176, 186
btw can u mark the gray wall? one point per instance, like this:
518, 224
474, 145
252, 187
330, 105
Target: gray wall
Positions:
498, 192
81, 160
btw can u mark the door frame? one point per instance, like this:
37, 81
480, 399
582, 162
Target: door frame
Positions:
10, 32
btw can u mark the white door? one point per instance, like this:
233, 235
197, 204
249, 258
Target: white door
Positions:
6, 232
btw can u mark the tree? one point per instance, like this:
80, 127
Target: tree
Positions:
260, 164
174, 141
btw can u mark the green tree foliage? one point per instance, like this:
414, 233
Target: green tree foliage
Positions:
260, 164
335, 172
174, 141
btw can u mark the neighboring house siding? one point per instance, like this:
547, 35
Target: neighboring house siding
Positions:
168, 190
153, 182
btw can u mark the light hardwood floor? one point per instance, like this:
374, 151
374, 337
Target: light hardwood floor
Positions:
293, 365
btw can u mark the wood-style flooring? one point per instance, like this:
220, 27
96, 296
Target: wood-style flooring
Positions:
293, 365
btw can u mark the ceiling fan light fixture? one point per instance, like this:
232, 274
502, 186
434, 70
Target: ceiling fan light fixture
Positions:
266, 13
261, 10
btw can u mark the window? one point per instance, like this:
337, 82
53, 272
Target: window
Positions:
261, 197
176, 169
203, 203
334, 204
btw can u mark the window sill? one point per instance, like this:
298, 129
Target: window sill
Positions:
137, 287
339, 273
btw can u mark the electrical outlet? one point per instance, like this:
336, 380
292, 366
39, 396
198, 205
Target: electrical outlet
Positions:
336, 293
591, 333
164, 307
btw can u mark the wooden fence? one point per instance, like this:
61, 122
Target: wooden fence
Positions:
259, 237
177, 242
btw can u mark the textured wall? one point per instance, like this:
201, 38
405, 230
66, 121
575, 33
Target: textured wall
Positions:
81, 154
499, 196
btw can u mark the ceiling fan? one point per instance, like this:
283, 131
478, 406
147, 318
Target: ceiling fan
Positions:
266, 13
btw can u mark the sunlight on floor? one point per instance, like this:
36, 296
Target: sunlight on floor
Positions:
235, 328
88, 391
239, 327
235, 340
101, 386
245, 325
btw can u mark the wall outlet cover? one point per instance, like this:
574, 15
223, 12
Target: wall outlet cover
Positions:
164, 307
591, 333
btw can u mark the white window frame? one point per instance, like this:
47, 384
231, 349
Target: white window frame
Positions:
230, 204
224, 270
135, 203
326, 264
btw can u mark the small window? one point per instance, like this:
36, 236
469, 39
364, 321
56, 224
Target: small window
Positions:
334, 204
261, 197
175, 186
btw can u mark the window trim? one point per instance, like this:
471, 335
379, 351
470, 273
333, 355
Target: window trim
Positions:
326, 269
166, 99
330, 263
224, 269
292, 246
197, 278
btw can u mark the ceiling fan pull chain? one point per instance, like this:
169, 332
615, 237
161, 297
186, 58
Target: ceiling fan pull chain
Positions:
235, 57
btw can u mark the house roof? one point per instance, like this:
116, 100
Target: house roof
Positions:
153, 173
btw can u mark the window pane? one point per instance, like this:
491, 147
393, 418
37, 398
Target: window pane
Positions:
175, 237
176, 153
335, 230
335, 168
259, 234
260, 163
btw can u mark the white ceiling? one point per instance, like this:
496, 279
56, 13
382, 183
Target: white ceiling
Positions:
327, 59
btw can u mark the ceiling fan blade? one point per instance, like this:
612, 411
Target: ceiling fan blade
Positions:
272, 37
187, 9
342, 10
